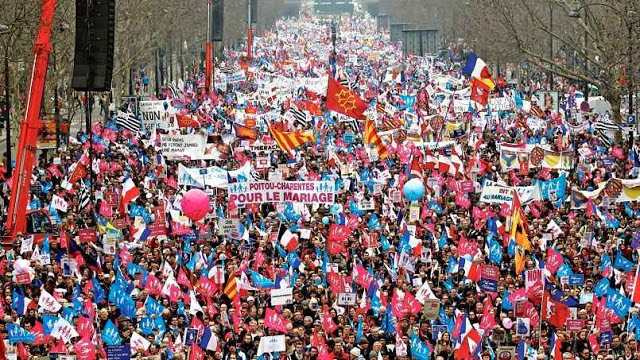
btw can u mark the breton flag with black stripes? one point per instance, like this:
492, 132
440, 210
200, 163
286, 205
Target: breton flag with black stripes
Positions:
299, 117
128, 120
603, 130
85, 197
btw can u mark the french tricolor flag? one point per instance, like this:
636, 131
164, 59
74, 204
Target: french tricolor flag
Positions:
129, 191
477, 68
209, 340
288, 240
554, 346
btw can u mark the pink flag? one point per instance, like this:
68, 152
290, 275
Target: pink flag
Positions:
183, 279
275, 321
328, 325
554, 261
85, 349
488, 321
85, 328
153, 285
411, 303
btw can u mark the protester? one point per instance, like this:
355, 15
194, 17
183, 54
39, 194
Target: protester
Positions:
453, 225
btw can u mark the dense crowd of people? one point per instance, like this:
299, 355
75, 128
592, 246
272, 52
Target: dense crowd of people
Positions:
523, 244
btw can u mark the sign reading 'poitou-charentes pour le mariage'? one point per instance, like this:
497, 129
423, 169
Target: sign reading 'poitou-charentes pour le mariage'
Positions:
305, 192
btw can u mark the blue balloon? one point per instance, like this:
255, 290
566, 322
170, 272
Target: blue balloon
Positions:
325, 220
413, 189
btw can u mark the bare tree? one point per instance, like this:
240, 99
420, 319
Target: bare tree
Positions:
603, 37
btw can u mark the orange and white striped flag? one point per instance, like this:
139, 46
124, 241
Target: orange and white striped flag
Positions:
371, 137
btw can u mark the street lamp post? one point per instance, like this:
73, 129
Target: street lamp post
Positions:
7, 101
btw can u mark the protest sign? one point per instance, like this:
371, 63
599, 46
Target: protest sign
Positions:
119, 352
574, 325
155, 114
305, 192
531, 277
346, 298
489, 275
431, 308
436, 330
506, 353
87, 235
183, 146
523, 326
271, 344
281, 296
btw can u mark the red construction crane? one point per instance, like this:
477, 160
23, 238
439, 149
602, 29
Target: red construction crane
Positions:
29, 128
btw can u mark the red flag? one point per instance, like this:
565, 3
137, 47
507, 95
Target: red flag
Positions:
206, 287
38, 331
636, 288
556, 313
196, 353
344, 101
85, 328
480, 92
411, 303
336, 282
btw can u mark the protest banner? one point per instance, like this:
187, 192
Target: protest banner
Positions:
183, 146
305, 192
494, 193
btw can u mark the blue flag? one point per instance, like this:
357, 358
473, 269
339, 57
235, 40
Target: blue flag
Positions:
98, 291
419, 349
18, 334
618, 303
153, 307
147, 325
601, 287
111, 334
360, 331
622, 263
495, 251
260, 280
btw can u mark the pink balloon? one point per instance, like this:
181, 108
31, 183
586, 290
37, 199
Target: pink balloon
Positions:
195, 204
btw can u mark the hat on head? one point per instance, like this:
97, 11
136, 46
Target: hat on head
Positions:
355, 351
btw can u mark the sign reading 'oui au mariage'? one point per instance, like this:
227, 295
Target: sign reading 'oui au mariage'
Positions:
305, 192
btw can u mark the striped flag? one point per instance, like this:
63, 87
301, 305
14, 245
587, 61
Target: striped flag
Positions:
290, 140
128, 120
85, 197
602, 129
351, 124
299, 117
371, 137
231, 289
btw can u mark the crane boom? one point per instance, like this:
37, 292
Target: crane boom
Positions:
30, 126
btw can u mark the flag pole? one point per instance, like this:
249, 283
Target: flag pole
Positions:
208, 52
